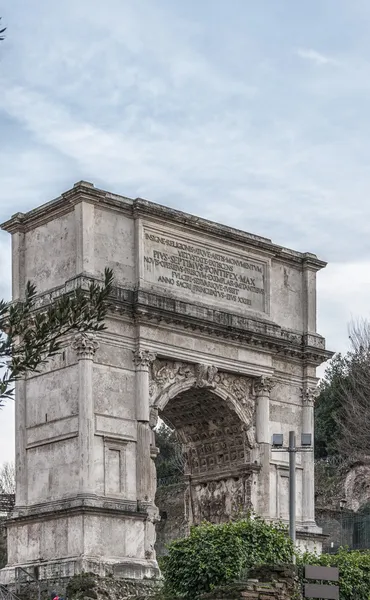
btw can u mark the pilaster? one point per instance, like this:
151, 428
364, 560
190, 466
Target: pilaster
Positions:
142, 360
309, 299
85, 238
20, 443
309, 395
263, 387
18, 265
85, 346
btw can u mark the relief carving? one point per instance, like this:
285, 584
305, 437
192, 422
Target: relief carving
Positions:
165, 373
204, 375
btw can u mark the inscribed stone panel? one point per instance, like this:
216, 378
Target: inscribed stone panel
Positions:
197, 270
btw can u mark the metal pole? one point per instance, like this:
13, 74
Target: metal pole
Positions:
292, 474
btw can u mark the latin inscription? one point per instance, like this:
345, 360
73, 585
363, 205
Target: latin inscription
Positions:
201, 271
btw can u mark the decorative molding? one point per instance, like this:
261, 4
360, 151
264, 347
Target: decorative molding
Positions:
155, 309
143, 358
85, 345
263, 385
309, 395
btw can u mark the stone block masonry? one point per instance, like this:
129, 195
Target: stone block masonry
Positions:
275, 583
210, 328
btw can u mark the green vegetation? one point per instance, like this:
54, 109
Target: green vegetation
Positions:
354, 571
170, 460
328, 407
342, 415
31, 334
215, 555
82, 586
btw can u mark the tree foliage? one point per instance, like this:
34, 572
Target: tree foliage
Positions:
328, 407
170, 460
215, 555
342, 416
32, 334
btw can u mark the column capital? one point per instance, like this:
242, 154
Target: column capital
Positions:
85, 345
263, 385
309, 395
143, 358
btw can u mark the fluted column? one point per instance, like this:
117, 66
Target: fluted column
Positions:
309, 395
85, 345
263, 387
145, 450
142, 361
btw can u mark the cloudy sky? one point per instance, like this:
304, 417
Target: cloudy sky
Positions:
254, 114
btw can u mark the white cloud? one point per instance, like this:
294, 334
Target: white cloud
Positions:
317, 57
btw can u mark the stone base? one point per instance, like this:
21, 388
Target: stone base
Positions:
310, 537
62, 570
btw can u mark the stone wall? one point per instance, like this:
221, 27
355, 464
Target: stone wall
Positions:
278, 583
87, 586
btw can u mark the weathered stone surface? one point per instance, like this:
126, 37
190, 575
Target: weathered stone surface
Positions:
267, 583
211, 328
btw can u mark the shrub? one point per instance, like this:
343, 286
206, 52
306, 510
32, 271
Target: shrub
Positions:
82, 586
354, 571
215, 555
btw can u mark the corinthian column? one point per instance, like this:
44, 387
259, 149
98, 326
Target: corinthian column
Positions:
142, 361
145, 449
263, 387
85, 346
309, 395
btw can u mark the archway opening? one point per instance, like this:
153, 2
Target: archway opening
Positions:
214, 471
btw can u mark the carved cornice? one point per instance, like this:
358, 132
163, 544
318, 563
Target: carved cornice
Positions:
85, 345
143, 358
85, 191
263, 385
252, 332
309, 395
154, 309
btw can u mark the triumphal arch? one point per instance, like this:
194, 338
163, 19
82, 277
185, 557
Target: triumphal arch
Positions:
210, 328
